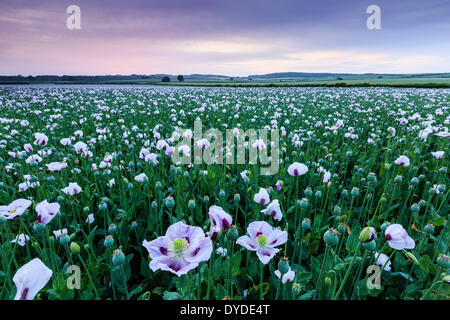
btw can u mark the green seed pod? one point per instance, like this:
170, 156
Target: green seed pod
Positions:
237, 197
191, 204
112, 228
370, 245
170, 202
444, 261
308, 192
327, 281
429, 228
304, 203
330, 237
318, 194
154, 205
109, 241
133, 225
102, 206
415, 207
283, 265
205, 199
398, 179
232, 233
337, 210
118, 257
65, 239
384, 226
86, 210
222, 194
306, 224
355, 192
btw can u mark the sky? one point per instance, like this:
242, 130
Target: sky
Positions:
227, 37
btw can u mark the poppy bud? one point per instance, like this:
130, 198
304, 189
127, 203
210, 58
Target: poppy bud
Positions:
355, 192
384, 226
308, 192
74, 248
133, 225
415, 207
237, 197
327, 281
158, 185
330, 237
365, 235
154, 204
412, 258
222, 194
86, 210
318, 194
205, 199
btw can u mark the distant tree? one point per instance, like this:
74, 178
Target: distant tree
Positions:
165, 79
231, 78
380, 77
340, 78
180, 78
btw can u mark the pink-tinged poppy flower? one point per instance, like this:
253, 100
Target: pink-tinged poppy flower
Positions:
180, 250
262, 197
143, 153
278, 185
219, 218
398, 238
153, 158
141, 177
259, 144
263, 239
326, 177
40, 139
273, 210
287, 277
297, 169
203, 143
33, 157
162, 145
21, 239
72, 189
383, 260
438, 154
30, 279
65, 141
28, 147
15, 209
78, 133
402, 161
244, 174
25, 185
56, 166
81, 147
47, 211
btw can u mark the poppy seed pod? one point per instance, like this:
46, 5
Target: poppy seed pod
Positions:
331, 237
308, 192
355, 192
415, 207
341, 227
444, 261
283, 265
318, 194
154, 205
306, 224
429, 228
65, 239
112, 228
102, 206
118, 257
109, 241
191, 204
237, 197
232, 233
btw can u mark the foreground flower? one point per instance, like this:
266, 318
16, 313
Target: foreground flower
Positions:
402, 161
180, 250
15, 209
141, 177
47, 211
263, 239
398, 238
297, 169
30, 279
262, 197
72, 189
273, 210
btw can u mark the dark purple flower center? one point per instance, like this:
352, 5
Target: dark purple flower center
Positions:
262, 201
195, 251
295, 172
174, 267
163, 250
273, 213
388, 237
225, 223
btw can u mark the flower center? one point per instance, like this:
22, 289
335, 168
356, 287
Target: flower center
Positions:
178, 246
262, 240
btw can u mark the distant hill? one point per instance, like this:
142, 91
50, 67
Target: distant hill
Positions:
270, 77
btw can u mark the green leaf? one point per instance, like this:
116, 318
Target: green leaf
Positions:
171, 295
307, 296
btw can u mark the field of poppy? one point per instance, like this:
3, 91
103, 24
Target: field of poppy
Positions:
93, 206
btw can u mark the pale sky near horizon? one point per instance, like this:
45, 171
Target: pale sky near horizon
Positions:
233, 37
